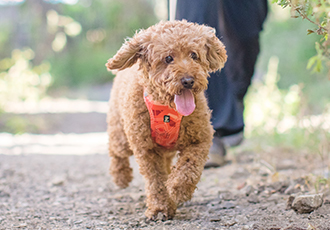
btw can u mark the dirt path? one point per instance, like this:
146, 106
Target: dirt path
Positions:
76, 192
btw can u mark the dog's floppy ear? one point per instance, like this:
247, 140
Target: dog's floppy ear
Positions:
129, 53
216, 52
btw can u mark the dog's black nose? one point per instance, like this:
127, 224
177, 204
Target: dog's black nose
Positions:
188, 82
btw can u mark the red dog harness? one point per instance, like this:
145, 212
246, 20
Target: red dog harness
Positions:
164, 123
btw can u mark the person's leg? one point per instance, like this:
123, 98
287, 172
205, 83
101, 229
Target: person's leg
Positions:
244, 54
240, 24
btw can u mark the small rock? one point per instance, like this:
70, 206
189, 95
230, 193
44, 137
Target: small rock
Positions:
56, 203
247, 190
168, 222
58, 181
280, 186
267, 193
160, 217
253, 199
215, 219
230, 223
326, 202
102, 223
228, 205
78, 222
46, 197
241, 185
307, 203
289, 202
260, 189
213, 203
95, 214
211, 210
20, 225
226, 195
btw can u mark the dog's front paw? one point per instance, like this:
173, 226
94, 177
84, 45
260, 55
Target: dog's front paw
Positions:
166, 213
122, 178
180, 192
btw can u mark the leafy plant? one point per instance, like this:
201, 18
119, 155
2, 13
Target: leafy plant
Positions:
278, 114
318, 13
20, 80
77, 39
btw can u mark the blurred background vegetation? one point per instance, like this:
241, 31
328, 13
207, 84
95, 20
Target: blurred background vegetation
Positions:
75, 39
51, 47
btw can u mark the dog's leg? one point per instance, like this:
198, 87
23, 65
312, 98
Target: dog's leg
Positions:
120, 171
185, 175
168, 161
151, 160
153, 168
119, 152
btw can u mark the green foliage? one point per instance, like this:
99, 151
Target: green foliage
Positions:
105, 24
76, 40
277, 116
20, 80
18, 125
286, 39
316, 12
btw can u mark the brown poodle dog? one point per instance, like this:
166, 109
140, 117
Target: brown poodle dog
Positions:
158, 109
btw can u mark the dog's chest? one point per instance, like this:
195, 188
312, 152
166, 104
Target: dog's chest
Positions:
164, 123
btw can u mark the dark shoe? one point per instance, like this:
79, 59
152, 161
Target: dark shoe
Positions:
233, 140
217, 154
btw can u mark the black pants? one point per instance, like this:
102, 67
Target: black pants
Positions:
238, 24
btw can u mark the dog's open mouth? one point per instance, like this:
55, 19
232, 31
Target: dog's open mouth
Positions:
185, 102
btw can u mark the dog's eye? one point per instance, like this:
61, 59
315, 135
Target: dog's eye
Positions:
194, 56
169, 59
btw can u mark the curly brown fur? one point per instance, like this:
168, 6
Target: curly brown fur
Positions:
142, 65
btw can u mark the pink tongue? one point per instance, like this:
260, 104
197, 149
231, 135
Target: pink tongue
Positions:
185, 103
